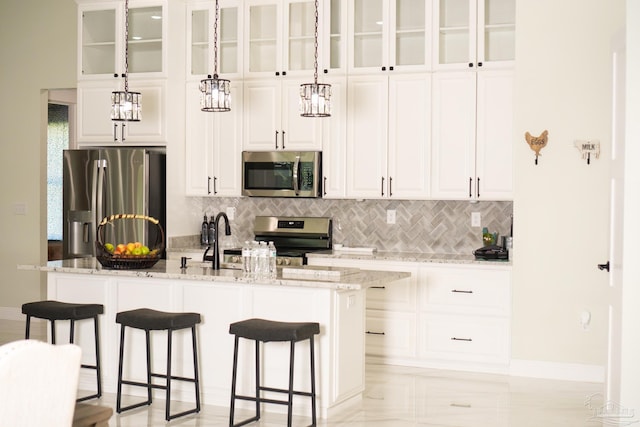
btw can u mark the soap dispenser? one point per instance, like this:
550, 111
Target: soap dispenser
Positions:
204, 232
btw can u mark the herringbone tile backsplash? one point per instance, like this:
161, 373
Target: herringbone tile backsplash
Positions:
421, 226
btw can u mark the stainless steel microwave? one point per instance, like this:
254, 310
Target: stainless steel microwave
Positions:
282, 173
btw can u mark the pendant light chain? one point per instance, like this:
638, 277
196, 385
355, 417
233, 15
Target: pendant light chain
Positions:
215, 42
126, 46
315, 45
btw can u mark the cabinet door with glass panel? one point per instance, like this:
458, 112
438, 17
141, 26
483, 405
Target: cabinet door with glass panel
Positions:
102, 39
279, 37
200, 44
474, 33
387, 35
333, 37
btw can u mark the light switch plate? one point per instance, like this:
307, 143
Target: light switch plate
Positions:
476, 219
391, 216
231, 213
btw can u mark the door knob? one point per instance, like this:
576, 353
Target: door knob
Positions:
604, 266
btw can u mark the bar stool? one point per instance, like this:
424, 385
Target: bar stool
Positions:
56, 310
260, 330
152, 320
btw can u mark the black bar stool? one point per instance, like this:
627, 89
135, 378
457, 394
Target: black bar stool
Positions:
152, 320
56, 310
260, 330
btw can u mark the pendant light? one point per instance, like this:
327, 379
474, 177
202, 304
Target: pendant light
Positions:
126, 106
315, 98
215, 93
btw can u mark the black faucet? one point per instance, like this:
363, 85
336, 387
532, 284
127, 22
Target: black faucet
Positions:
215, 258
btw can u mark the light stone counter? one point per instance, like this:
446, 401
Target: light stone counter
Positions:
417, 257
199, 271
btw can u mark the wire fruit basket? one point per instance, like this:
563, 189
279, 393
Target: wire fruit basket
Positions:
115, 258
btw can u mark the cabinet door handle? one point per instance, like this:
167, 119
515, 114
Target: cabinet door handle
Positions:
283, 139
382, 187
384, 68
478, 188
215, 187
479, 64
390, 183
324, 186
277, 73
284, 73
461, 339
458, 291
470, 181
122, 132
391, 68
378, 287
470, 64
115, 132
277, 139
208, 185
374, 333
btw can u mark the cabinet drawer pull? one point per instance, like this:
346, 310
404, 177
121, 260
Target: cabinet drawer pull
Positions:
461, 339
458, 291
376, 333
378, 287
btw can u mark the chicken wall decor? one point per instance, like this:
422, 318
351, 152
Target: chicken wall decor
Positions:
537, 143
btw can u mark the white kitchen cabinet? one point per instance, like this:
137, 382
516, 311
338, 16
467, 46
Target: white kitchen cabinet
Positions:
465, 314
212, 146
272, 118
101, 39
333, 37
389, 35
101, 68
200, 39
279, 38
94, 111
446, 316
473, 33
472, 135
388, 136
334, 137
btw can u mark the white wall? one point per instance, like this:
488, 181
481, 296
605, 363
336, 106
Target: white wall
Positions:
38, 51
561, 206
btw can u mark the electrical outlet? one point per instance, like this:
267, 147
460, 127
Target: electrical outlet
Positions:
391, 216
476, 219
231, 213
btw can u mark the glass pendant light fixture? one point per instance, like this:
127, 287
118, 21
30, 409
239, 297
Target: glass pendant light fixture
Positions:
215, 93
126, 106
315, 98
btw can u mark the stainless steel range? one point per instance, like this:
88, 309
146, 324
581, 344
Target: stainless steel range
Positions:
293, 236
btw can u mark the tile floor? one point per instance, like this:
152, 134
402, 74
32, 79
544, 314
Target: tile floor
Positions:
403, 397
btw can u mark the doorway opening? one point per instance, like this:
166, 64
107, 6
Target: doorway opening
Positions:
60, 136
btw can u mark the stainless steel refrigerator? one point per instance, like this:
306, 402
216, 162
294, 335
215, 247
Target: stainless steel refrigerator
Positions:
102, 182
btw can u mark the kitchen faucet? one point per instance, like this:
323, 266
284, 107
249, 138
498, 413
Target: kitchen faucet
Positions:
215, 258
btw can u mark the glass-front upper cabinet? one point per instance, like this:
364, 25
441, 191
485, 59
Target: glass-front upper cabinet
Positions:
200, 43
474, 33
102, 33
389, 35
333, 34
280, 37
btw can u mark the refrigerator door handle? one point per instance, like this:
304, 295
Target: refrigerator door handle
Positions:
97, 190
85, 232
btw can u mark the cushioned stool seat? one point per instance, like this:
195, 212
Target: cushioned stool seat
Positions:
153, 320
57, 310
261, 330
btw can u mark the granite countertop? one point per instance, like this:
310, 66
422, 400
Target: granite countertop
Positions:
418, 257
169, 269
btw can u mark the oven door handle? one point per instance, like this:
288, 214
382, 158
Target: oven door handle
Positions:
296, 175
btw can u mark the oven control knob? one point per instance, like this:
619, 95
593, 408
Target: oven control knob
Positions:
279, 261
286, 261
235, 259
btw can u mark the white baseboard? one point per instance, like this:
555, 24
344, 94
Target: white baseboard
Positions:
557, 371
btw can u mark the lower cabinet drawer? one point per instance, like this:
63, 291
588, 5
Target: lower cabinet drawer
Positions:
468, 338
390, 334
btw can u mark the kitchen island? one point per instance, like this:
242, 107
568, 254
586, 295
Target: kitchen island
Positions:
333, 297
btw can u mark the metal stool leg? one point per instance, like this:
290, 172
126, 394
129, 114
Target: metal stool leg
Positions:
233, 381
27, 330
196, 375
119, 395
53, 331
168, 402
313, 382
258, 396
290, 395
